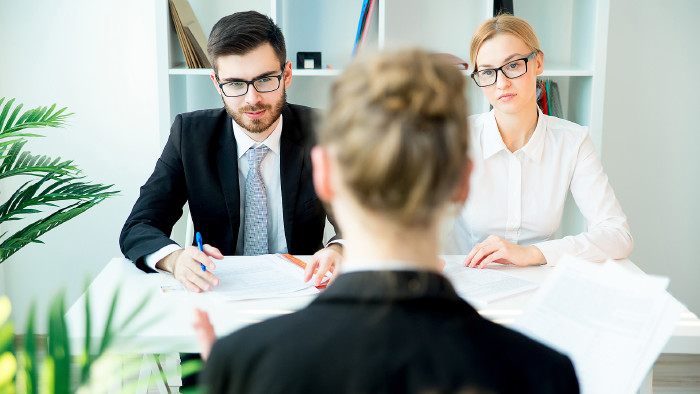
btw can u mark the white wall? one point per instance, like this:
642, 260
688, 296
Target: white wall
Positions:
97, 58
651, 135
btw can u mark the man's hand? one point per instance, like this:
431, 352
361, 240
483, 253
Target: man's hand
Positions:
186, 266
205, 332
326, 259
497, 250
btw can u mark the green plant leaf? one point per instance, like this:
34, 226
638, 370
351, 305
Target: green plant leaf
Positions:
33, 118
8, 369
47, 376
30, 357
5, 110
7, 337
59, 193
87, 354
108, 334
30, 233
59, 345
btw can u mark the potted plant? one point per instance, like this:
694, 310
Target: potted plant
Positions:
51, 192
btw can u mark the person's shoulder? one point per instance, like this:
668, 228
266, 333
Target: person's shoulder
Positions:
213, 113
200, 125
517, 345
253, 339
302, 113
478, 120
565, 129
206, 119
300, 123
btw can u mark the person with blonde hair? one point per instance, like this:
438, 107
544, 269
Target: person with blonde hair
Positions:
526, 162
392, 160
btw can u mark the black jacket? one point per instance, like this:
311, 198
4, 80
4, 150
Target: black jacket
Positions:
199, 165
385, 332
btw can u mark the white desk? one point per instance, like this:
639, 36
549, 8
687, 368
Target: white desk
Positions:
173, 332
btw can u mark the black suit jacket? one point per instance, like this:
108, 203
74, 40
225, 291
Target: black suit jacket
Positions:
199, 164
385, 332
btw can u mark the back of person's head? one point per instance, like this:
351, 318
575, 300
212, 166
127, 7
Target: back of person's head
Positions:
397, 129
500, 24
242, 32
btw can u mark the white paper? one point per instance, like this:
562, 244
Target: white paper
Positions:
254, 277
482, 286
611, 322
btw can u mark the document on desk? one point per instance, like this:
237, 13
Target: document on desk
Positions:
254, 277
482, 286
611, 322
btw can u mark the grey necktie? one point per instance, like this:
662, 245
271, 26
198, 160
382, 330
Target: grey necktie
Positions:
255, 241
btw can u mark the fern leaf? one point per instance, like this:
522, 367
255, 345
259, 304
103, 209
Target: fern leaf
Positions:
5, 110
30, 233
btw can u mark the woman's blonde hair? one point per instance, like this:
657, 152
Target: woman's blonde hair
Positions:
397, 127
503, 23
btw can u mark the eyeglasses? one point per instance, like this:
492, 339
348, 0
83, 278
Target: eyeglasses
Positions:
511, 70
261, 85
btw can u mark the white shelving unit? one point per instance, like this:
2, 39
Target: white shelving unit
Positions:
572, 33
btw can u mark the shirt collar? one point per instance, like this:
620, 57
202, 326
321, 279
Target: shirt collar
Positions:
381, 265
244, 142
492, 142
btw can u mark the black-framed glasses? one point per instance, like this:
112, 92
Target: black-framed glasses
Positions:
266, 84
512, 69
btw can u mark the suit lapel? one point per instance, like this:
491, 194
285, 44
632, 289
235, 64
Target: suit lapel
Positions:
227, 165
291, 160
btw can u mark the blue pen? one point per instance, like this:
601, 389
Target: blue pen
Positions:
201, 247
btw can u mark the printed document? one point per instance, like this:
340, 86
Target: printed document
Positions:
254, 277
611, 322
482, 286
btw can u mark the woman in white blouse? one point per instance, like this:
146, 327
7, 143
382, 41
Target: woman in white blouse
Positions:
525, 162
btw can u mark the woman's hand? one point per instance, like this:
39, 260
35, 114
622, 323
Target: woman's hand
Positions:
205, 332
497, 250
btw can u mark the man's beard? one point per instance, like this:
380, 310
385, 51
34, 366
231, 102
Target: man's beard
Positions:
257, 125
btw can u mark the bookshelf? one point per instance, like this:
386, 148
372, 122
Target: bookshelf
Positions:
572, 33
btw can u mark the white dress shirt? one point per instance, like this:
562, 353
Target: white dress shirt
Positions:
270, 169
519, 196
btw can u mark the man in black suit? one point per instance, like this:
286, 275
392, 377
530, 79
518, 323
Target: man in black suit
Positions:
391, 161
245, 169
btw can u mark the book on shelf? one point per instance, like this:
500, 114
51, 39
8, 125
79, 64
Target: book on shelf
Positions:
548, 98
363, 25
190, 34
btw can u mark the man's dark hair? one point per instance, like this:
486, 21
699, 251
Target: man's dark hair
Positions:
242, 32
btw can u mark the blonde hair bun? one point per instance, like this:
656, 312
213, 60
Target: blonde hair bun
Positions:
397, 122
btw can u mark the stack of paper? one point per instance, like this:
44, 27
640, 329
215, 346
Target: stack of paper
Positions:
255, 277
611, 322
482, 286
190, 34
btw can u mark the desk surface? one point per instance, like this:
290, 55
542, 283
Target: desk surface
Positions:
173, 331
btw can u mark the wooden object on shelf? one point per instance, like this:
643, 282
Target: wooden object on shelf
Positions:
190, 34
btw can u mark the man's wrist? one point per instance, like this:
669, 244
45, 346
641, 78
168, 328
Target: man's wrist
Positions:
336, 246
167, 263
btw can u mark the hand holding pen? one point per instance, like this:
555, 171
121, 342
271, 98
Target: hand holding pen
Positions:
192, 266
201, 248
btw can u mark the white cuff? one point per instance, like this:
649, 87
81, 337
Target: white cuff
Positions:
152, 259
338, 241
